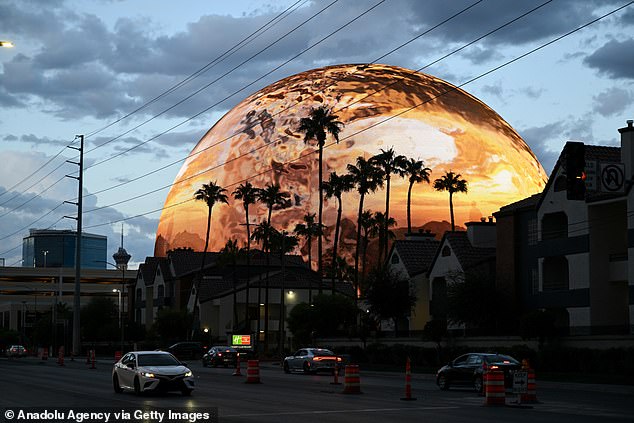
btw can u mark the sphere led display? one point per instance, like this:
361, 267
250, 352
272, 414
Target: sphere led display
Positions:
382, 107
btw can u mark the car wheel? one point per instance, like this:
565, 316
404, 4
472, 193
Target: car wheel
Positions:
115, 384
186, 392
477, 384
286, 368
443, 383
306, 367
137, 386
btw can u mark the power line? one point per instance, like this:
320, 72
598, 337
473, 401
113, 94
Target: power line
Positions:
203, 88
227, 53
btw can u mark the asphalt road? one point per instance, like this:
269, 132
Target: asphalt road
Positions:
307, 398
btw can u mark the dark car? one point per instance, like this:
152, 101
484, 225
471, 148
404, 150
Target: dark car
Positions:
187, 350
220, 356
468, 370
312, 360
16, 351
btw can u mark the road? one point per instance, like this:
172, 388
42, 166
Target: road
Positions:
309, 398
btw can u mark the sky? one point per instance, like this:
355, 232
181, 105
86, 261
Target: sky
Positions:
119, 72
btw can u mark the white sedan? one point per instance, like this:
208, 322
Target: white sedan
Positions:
312, 360
143, 371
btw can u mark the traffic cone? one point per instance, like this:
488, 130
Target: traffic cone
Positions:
336, 373
60, 356
253, 371
236, 372
351, 380
408, 381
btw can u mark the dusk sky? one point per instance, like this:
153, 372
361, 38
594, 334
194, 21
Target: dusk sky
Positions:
82, 67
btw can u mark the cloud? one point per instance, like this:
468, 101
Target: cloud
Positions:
612, 101
614, 59
540, 139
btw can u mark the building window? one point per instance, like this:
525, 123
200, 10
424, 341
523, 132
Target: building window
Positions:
395, 259
446, 251
555, 271
554, 225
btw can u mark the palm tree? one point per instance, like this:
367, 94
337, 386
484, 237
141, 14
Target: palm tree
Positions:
248, 194
271, 195
308, 230
230, 254
381, 224
211, 194
282, 243
370, 227
335, 187
453, 183
320, 122
416, 172
367, 178
262, 233
390, 163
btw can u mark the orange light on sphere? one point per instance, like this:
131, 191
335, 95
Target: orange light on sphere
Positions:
450, 130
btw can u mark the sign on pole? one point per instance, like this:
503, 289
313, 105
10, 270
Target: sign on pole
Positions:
520, 382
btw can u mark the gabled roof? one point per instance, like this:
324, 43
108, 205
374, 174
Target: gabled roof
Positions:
416, 255
468, 256
524, 204
147, 270
186, 261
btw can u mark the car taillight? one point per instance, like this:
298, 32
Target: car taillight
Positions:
338, 358
317, 358
494, 367
219, 354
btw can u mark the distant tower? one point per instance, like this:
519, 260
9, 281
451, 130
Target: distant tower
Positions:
121, 257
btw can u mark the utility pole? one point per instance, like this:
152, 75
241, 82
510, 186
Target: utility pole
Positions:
77, 293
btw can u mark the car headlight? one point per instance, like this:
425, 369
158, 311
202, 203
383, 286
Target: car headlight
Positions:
146, 374
189, 374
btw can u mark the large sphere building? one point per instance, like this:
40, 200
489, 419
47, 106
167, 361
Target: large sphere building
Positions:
382, 107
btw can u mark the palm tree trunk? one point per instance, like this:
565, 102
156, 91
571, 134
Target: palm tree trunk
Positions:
336, 244
321, 210
383, 252
453, 226
195, 312
235, 298
409, 207
358, 246
246, 300
310, 266
365, 253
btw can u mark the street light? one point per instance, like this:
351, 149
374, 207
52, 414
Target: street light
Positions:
118, 291
7, 44
45, 252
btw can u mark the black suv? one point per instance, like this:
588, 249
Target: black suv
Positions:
187, 350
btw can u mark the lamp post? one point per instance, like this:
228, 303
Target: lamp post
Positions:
118, 291
45, 253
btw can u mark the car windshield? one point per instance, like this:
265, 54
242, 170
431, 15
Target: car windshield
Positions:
322, 353
500, 359
157, 360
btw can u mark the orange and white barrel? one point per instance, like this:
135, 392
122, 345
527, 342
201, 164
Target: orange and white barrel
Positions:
495, 393
253, 371
351, 380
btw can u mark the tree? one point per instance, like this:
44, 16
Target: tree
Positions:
452, 183
308, 230
282, 243
229, 255
335, 187
320, 122
170, 324
369, 225
472, 300
249, 195
367, 178
211, 194
262, 233
391, 164
416, 173
271, 196
390, 296
99, 320
379, 228
328, 315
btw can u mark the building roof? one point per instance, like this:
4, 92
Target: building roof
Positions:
147, 270
292, 277
186, 261
416, 255
468, 256
524, 204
